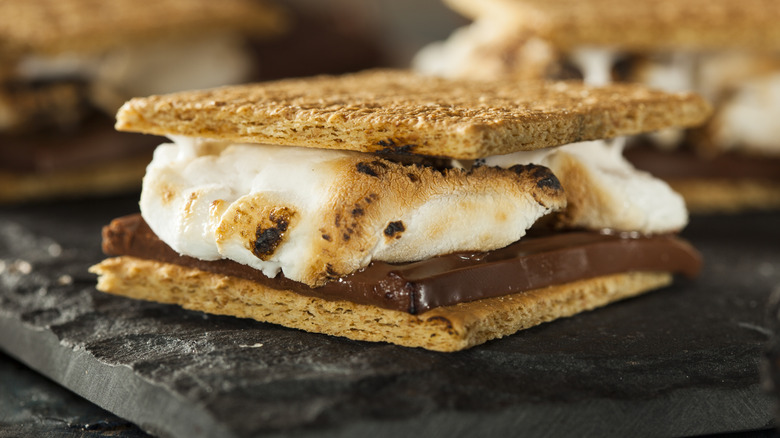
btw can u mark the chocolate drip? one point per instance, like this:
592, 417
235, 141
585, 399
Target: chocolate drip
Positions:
416, 287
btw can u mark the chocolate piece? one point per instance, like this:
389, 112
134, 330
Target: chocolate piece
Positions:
415, 287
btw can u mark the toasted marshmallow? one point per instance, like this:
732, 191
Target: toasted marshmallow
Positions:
319, 214
480, 50
604, 190
749, 120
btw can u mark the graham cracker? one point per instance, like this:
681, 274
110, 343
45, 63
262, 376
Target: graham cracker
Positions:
399, 111
713, 195
445, 329
646, 25
55, 26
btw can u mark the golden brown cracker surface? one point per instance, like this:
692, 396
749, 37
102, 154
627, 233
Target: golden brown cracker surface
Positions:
401, 112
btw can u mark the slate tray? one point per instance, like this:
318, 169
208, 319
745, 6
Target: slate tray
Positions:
680, 361
33, 406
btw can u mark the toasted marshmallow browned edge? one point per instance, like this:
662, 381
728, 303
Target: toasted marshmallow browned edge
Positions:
401, 112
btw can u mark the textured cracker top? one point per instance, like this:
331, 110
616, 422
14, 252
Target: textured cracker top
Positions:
398, 111
52, 26
640, 25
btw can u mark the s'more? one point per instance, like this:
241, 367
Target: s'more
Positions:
725, 50
393, 207
66, 66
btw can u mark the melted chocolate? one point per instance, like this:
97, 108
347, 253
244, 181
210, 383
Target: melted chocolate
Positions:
531, 263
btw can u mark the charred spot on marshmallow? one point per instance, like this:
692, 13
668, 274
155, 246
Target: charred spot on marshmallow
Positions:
268, 238
331, 273
365, 168
390, 146
523, 168
371, 168
439, 164
394, 229
545, 179
345, 228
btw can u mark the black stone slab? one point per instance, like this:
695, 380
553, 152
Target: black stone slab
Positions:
33, 406
680, 361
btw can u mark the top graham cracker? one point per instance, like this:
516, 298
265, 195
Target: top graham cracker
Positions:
402, 112
57, 26
646, 25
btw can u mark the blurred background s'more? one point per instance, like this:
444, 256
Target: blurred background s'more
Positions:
726, 50
66, 66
